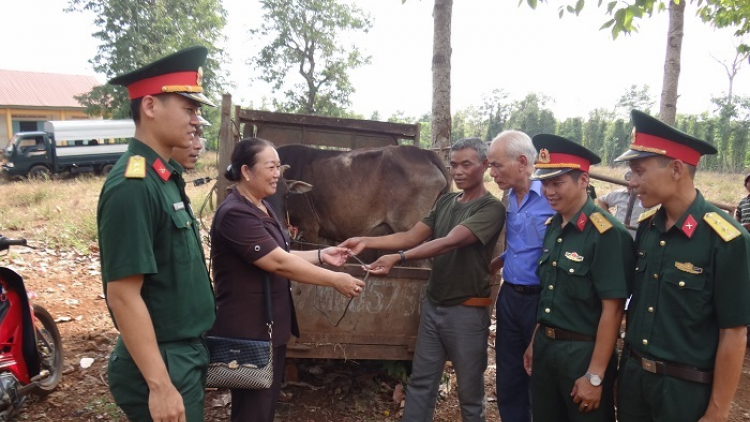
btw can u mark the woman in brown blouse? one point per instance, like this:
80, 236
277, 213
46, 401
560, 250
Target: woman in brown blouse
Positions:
247, 241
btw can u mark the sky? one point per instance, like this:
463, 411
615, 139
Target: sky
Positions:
497, 44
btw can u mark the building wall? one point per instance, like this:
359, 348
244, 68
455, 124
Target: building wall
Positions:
14, 120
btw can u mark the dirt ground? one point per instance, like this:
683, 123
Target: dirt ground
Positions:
68, 284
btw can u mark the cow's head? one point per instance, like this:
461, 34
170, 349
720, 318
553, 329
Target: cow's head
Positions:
278, 200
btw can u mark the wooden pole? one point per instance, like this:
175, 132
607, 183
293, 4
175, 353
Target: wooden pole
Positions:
227, 140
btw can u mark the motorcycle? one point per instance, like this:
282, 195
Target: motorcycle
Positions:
31, 354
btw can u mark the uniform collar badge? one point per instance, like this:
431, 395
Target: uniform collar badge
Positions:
581, 222
573, 256
161, 170
688, 268
688, 227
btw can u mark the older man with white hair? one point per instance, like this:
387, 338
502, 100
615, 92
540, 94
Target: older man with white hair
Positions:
512, 157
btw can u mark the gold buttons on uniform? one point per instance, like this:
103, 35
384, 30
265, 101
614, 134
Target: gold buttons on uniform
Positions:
551, 287
656, 276
645, 342
547, 310
572, 270
651, 309
662, 243
554, 263
559, 239
681, 283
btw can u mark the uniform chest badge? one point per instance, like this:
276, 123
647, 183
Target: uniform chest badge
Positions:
688, 268
573, 256
136, 168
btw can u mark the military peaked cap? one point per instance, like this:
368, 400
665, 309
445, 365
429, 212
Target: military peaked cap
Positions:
653, 137
558, 155
178, 73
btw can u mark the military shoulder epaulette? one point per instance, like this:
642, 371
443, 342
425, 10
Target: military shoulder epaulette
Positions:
721, 226
645, 215
547, 223
136, 168
600, 222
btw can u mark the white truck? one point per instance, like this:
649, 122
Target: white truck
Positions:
73, 146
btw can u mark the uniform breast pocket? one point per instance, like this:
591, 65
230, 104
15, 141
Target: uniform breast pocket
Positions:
184, 244
683, 293
574, 278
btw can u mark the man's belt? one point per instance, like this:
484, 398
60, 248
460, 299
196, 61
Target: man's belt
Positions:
524, 290
478, 302
677, 370
560, 334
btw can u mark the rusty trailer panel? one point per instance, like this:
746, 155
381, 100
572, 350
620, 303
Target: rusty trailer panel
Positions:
285, 129
381, 323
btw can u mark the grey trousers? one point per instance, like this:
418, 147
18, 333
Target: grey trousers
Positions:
456, 333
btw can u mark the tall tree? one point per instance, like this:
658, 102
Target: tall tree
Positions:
309, 36
668, 106
441, 75
634, 98
136, 32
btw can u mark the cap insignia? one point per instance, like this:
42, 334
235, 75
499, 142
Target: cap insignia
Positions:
199, 78
544, 156
721, 226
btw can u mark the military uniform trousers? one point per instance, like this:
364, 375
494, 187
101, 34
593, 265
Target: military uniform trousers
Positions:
186, 361
643, 396
556, 367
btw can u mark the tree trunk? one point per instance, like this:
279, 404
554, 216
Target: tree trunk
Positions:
441, 76
668, 106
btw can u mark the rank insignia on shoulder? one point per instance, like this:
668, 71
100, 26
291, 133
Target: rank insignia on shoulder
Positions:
722, 227
136, 168
688, 268
647, 214
600, 222
547, 223
573, 256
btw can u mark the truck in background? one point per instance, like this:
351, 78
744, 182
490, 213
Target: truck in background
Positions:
74, 146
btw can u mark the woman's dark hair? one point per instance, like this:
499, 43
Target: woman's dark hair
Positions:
245, 154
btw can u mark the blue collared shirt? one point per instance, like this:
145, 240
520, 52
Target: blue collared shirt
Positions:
524, 233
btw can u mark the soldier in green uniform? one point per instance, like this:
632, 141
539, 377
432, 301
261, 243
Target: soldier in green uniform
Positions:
687, 319
155, 279
587, 259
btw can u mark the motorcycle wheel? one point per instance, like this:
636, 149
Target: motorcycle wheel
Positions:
49, 347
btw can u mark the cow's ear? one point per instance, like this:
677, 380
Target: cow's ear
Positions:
283, 168
298, 186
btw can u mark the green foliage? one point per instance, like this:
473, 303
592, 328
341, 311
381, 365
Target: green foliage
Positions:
308, 36
727, 13
633, 98
137, 32
531, 116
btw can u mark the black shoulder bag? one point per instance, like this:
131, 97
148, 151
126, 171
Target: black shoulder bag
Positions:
242, 363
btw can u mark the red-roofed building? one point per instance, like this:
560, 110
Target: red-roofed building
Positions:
28, 99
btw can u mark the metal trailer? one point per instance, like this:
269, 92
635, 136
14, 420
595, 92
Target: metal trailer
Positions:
382, 322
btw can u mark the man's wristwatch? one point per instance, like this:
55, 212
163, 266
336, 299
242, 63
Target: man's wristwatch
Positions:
595, 380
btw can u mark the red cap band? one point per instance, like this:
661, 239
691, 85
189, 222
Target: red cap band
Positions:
560, 160
155, 85
650, 143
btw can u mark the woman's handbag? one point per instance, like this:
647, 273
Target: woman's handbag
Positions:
242, 363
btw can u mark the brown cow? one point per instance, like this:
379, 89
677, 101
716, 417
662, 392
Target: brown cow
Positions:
364, 192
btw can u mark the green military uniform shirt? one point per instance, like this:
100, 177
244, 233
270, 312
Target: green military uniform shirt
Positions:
689, 284
146, 226
580, 266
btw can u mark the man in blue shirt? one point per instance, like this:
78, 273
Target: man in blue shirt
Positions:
512, 156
